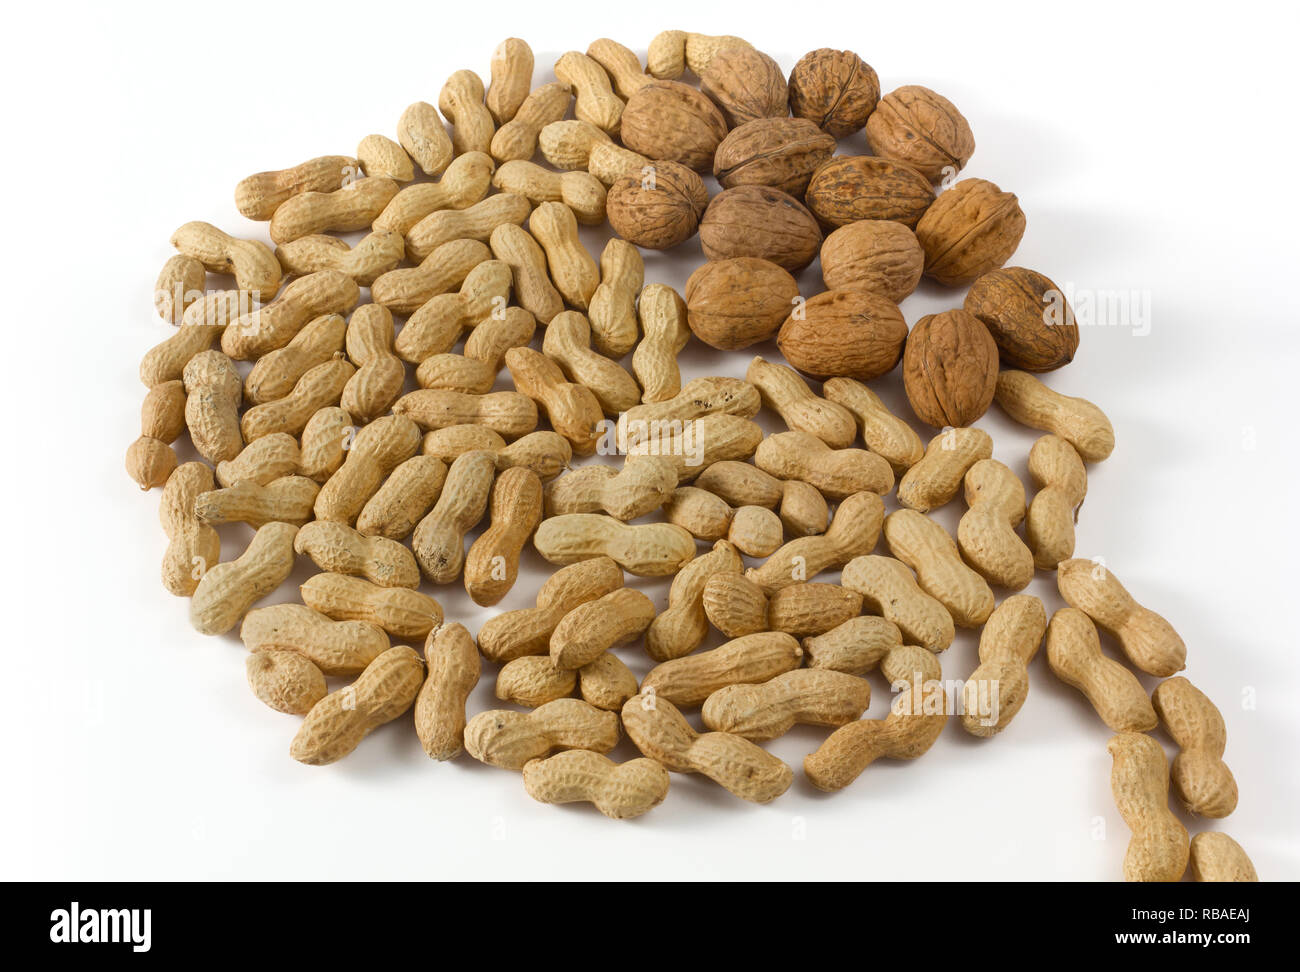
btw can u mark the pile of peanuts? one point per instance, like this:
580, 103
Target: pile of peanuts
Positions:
318, 444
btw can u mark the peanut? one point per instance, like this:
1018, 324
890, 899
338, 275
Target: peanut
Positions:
986, 534
404, 290
453, 665
681, 628
673, 51
492, 564
492, 338
664, 334
573, 270
192, 546
354, 207
927, 548
699, 397
166, 360
258, 196
754, 530
150, 459
884, 432
1201, 777
465, 182
1074, 655
572, 409
592, 628
787, 394
534, 680
375, 452
511, 739
647, 549
270, 457
1139, 780
180, 283
696, 444
421, 133
1076, 420
517, 138
580, 191
545, 453
606, 682
404, 498
511, 73
609, 162
461, 102
889, 588
801, 697
835, 473
325, 440
288, 499
250, 262
285, 681
937, 476
567, 144
533, 288
319, 388
372, 257
277, 323
739, 483
612, 309
620, 791
379, 377
227, 590
1008, 644
751, 658
338, 548
1149, 641
854, 647
642, 486
381, 157
621, 64
853, 532
1062, 484
662, 733
510, 414
337, 723
217, 307
275, 373
212, 394
335, 647
803, 512
439, 538
400, 611
1217, 857
455, 372
733, 604
475, 222
437, 325
594, 98
804, 610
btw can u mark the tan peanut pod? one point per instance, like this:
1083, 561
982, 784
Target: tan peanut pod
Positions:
455, 372
835, 473
509, 414
492, 564
805, 696
354, 207
380, 373
545, 453
916, 719
400, 611
375, 451
492, 338
338, 548
319, 388
381, 157
180, 283
406, 289
928, 549
612, 307
573, 409
592, 628
681, 628
854, 647
889, 589
533, 680
580, 191
1076, 420
997, 688
756, 531
405, 497
884, 432
1217, 857
324, 442
704, 515
1148, 640
212, 394
337, 648
853, 532
533, 288
439, 538
609, 162
150, 460
803, 512
372, 257
261, 461
514, 634
568, 341
986, 533
275, 324
645, 549
227, 590
1201, 778
733, 604
594, 96
250, 262
752, 658
274, 374
510, 739
697, 398
437, 325
1062, 482
787, 394
461, 103
739, 483
665, 333
285, 681
453, 665
258, 196
620, 64
193, 546
1139, 781
1074, 655
288, 499
804, 610
166, 360
475, 222
621, 791
938, 475
696, 444
673, 51
662, 733
217, 308
573, 270
420, 131
511, 70
517, 138
606, 682
642, 486
465, 182
337, 723
567, 144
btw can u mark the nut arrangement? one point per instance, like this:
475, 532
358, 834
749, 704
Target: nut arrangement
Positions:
294, 390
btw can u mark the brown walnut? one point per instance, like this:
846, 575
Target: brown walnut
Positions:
836, 90
844, 334
779, 152
658, 209
875, 255
972, 228
847, 188
758, 221
673, 121
746, 84
922, 128
950, 369
734, 303
1027, 315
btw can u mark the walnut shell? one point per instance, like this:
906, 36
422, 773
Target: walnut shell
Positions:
972, 228
732, 304
847, 188
657, 210
844, 334
670, 120
746, 84
915, 125
950, 369
779, 152
875, 255
758, 221
1028, 317
836, 90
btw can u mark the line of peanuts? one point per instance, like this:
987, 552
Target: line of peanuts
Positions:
319, 449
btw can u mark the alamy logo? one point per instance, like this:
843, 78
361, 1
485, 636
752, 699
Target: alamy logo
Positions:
102, 925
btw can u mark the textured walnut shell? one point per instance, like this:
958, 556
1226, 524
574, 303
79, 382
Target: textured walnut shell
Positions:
922, 128
950, 369
758, 221
875, 255
972, 228
1028, 317
732, 304
835, 90
779, 152
847, 188
844, 334
657, 210
670, 120
746, 84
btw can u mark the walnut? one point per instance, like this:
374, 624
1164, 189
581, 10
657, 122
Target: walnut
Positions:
924, 129
875, 255
847, 188
844, 333
972, 228
1028, 317
658, 208
758, 221
777, 152
670, 120
836, 90
746, 84
950, 369
732, 304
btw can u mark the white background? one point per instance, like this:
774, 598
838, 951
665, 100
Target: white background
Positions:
1152, 155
